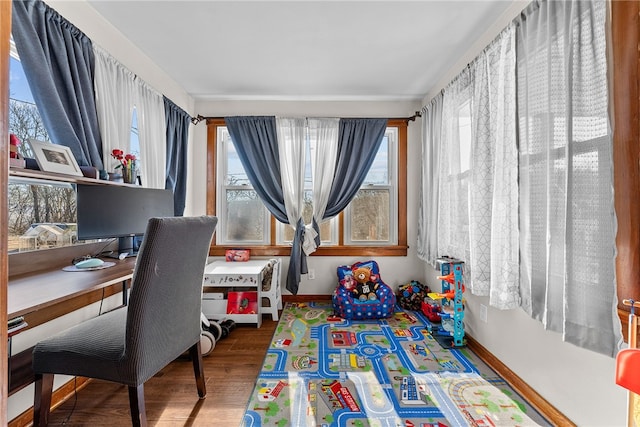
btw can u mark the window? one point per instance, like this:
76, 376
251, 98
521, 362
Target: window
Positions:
243, 218
24, 118
375, 219
42, 215
371, 217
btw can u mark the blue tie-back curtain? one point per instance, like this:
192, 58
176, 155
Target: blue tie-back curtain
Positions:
58, 62
358, 144
178, 122
255, 139
256, 142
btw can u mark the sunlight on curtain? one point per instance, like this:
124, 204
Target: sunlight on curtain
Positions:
567, 217
291, 150
493, 182
453, 167
114, 102
324, 152
477, 166
152, 134
427, 245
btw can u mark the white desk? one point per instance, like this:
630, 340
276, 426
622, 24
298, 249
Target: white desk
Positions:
222, 274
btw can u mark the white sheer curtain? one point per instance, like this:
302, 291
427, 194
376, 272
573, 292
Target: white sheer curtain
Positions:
453, 168
477, 175
567, 218
427, 246
115, 99
292, 139
324, 154
152, 134
291, 151
493, 185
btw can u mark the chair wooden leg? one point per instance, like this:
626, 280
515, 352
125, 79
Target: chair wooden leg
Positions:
137, 407
42, 399
196, 357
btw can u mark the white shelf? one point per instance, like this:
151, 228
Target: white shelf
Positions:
222, 275
59, 177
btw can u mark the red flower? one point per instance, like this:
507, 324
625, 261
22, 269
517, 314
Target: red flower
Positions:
14, 140
125, 160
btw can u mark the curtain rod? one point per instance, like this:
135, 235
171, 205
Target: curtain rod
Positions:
197, 119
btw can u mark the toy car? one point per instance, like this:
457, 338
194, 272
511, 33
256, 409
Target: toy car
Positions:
431, 309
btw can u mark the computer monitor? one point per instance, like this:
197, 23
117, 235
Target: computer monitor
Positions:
115, 211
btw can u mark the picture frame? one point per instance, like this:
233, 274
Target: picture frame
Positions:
54, 158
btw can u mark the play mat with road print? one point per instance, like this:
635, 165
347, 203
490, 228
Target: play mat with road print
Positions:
325, 371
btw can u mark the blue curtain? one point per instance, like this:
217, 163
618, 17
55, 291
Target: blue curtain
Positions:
178, 122
58, 62
256, 142
358, 144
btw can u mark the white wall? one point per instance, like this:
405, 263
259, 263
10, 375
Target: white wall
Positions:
394, 270
579, 383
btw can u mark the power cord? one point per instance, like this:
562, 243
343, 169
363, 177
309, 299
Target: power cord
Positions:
75, 379
75, 401
101, 301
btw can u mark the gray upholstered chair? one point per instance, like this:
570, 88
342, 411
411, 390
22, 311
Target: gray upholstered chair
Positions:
131, 344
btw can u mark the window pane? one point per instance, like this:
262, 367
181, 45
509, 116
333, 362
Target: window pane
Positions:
370, 216
235, 174
24, 118
379, 172
244, 216
41, 216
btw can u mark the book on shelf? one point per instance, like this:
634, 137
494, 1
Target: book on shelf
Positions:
16, 324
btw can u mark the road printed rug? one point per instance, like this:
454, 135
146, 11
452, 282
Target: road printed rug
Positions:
326, 371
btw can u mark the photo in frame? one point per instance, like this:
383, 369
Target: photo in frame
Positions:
54, 158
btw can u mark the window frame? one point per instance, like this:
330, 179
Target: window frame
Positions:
341, 249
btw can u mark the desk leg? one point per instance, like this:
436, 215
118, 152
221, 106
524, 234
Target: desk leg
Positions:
259, 289
9, 365
125, 294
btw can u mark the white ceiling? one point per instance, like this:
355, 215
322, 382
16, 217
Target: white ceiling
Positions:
303, 50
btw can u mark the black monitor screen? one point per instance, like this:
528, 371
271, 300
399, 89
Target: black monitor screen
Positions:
107, 211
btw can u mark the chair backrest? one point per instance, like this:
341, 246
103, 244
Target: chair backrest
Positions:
275, 276
271, 277
163, 318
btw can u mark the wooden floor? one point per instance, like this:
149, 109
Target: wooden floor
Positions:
171, 396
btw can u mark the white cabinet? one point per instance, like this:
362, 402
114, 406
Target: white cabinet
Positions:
220, 277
